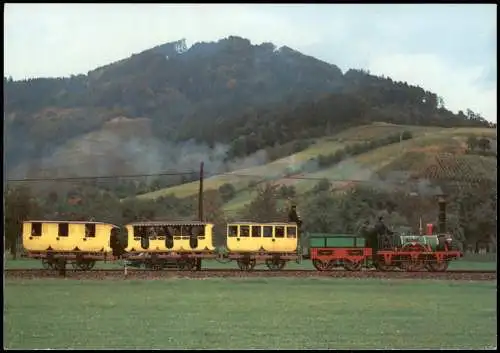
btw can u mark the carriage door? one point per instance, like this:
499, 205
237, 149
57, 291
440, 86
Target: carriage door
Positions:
279, 239
169, 237
193, 232
267, 238
233, 239
88, 240
144, 237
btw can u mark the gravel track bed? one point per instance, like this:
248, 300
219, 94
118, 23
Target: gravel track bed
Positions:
230, 273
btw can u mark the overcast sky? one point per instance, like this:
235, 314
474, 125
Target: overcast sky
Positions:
447, 49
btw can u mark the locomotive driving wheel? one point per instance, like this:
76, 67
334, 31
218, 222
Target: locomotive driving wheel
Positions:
410, 263
246, 264
352, 265
322, 265
382, 266
437, 266
275, 264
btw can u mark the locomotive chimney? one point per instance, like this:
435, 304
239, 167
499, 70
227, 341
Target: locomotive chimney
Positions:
200, 195
442, 214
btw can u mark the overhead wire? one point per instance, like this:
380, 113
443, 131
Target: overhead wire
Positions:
262, 178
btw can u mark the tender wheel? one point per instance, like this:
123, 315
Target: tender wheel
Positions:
275, 264
438, 267
246, 265
323, 265
353, 265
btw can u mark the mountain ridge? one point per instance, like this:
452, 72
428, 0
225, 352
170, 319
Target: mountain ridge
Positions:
230, 92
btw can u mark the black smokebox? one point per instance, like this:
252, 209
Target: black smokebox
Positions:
442, 214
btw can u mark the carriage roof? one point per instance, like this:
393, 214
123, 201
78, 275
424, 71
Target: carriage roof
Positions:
70, 222
251, 223
168, 223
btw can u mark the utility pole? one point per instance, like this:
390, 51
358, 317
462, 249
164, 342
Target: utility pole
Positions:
200, 195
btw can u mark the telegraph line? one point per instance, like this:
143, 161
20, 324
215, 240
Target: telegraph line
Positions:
265, 178
117, 176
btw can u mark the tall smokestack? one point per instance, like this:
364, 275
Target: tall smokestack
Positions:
200, 195
442, 214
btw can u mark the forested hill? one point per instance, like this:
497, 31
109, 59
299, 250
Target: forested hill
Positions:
247, 97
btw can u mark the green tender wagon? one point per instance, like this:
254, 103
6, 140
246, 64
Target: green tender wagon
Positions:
324, 240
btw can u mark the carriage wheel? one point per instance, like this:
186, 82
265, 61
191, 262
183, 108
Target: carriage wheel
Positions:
60, 264
352, 265
153, 266
275, 264
438, 266
86, 265
157, 267
187, 265
246, 265
47, 264
323, 265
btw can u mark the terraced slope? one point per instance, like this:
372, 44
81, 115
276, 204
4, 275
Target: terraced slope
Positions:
418, 157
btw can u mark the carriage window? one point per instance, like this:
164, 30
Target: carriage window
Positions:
268, 232
167, 231
63, 230
232, 231
186, 230
36, 229
139, 232
90, 230
244, 231
291, 232
199, 231
256, 232
151, 233
174, 231
279, 232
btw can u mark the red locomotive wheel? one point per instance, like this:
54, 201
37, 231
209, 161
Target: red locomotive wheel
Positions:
382, 266
413, 264
438, 267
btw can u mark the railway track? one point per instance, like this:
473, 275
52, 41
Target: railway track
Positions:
102, 274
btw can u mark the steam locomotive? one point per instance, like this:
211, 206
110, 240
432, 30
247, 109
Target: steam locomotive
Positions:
184, 245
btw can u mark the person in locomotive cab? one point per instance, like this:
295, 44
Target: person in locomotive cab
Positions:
364, 232
384, 234
293, 216
381, 227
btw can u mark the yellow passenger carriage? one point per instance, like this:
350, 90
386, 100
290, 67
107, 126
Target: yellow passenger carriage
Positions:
275, 243
160, 244
57, 242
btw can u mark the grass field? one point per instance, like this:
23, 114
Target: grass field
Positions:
249, 313
470, 262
